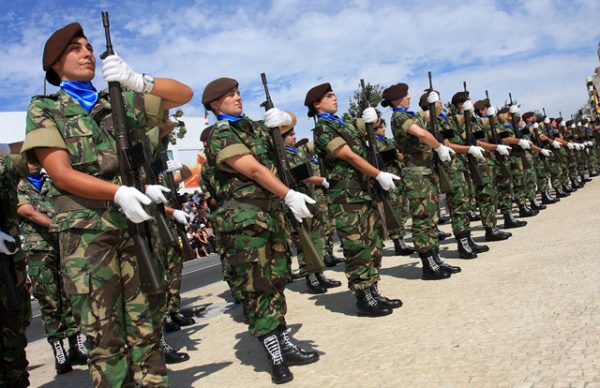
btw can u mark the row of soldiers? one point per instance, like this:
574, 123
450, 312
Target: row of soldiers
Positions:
72, 134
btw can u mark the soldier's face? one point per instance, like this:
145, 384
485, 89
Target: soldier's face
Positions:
327, 104
290, 139
229, 104
380, 130
77, 62
404, 102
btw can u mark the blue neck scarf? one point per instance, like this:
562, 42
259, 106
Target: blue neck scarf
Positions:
443, 115
231, 118
331, 117
83, 92
37, 180
292, 150
410, 112
314, 159
381, 138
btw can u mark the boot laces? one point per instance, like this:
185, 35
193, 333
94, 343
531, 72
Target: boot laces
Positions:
80, 344
286, 341
60, 352
465, 244
314, 281
272, 345
165, 346
369, 297
432, 264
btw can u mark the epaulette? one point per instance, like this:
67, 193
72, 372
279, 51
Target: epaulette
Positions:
222, 124
53, 96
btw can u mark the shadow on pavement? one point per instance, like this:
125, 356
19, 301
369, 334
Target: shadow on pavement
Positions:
185, 377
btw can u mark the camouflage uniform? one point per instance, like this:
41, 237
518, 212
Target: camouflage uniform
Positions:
13, 364
516, 166
250, 224
41, 250
531, 173
352, 207
121, 323
420, 179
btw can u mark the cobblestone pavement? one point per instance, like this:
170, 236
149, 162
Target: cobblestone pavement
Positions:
527, 313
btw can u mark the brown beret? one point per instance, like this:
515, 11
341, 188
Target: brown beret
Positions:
504, 110
55, 46
205, 134
316, 93
394, 92
528, 115
459, 98
423, 100
286, 128
569, 123
481, 104
217, 89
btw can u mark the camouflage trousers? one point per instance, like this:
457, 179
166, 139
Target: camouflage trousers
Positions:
518, 179
543, 176
458, 200
46, 281
121, 323
360, 232
256, 258
423, 195
487, 195
13, 363
556, 171
566, 157
504, 185
324, 216
572, 164
399, 204
173, 267
317, 227
530, 176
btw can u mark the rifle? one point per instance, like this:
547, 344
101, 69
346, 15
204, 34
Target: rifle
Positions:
538, 142
186, 249
6, 268
445, 183
515, 123
313, 259
502, 159
390, 218
474, 172
129, 160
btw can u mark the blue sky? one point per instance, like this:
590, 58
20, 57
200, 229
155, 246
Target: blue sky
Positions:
540, 50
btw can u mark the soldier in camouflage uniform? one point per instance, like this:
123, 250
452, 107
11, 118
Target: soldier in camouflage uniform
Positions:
415, 143
250, 222
299, 164
539, 178
41, 250
545, 138
72, 135
13, 319
340, 146
394, 164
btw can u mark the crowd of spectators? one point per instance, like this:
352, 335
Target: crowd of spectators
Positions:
200, 231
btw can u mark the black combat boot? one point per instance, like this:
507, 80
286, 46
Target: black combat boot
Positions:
401, 249
547, 199
512, 222
474, 216
495, 234
292, 354
443, 235
171, 355
280, 373
560, 193
169, 325
464, 249
445, 266
391, 303
536, 206
181, 319
368, 306
431, 270
77, 351
328, 283
61, 361
314, 284
526, 211
474, 246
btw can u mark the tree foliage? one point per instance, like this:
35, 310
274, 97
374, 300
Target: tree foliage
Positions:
180, 130
356, 103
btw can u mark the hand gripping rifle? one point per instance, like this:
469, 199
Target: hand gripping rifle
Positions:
7, 270
556, 152
313, 259
445, 183
129, 160
391, 220
474, 172
515, 123
538, 142
503, 162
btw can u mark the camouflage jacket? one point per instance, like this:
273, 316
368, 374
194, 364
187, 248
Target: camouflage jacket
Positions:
347, 185
384, 144
59, 121
297, 157
417, 154
36, 237
9, 177
452, 128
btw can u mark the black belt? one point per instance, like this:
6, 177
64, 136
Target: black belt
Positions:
258, 204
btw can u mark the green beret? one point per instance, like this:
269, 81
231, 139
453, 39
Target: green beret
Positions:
217, 89
55, 47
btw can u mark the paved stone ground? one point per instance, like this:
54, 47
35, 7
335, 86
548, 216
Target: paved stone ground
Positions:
527, 313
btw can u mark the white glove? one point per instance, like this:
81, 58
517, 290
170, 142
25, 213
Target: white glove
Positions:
182, 217
131, 200
545, 152
476, 151
468, 106
590, 143
536, 125
514, 109
297, 203
579, 123
563, 124
173, 166
547, 120
114, 69
524, 144
556, 144
4, 238
386, 180
445, 153
573, 126
370, 115
155, 193
325, 184
570, 146
577, 146
503, 149
433, 97
491, 111
276, 118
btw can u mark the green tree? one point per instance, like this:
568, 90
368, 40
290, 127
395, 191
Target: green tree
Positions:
356, 105
180, 130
